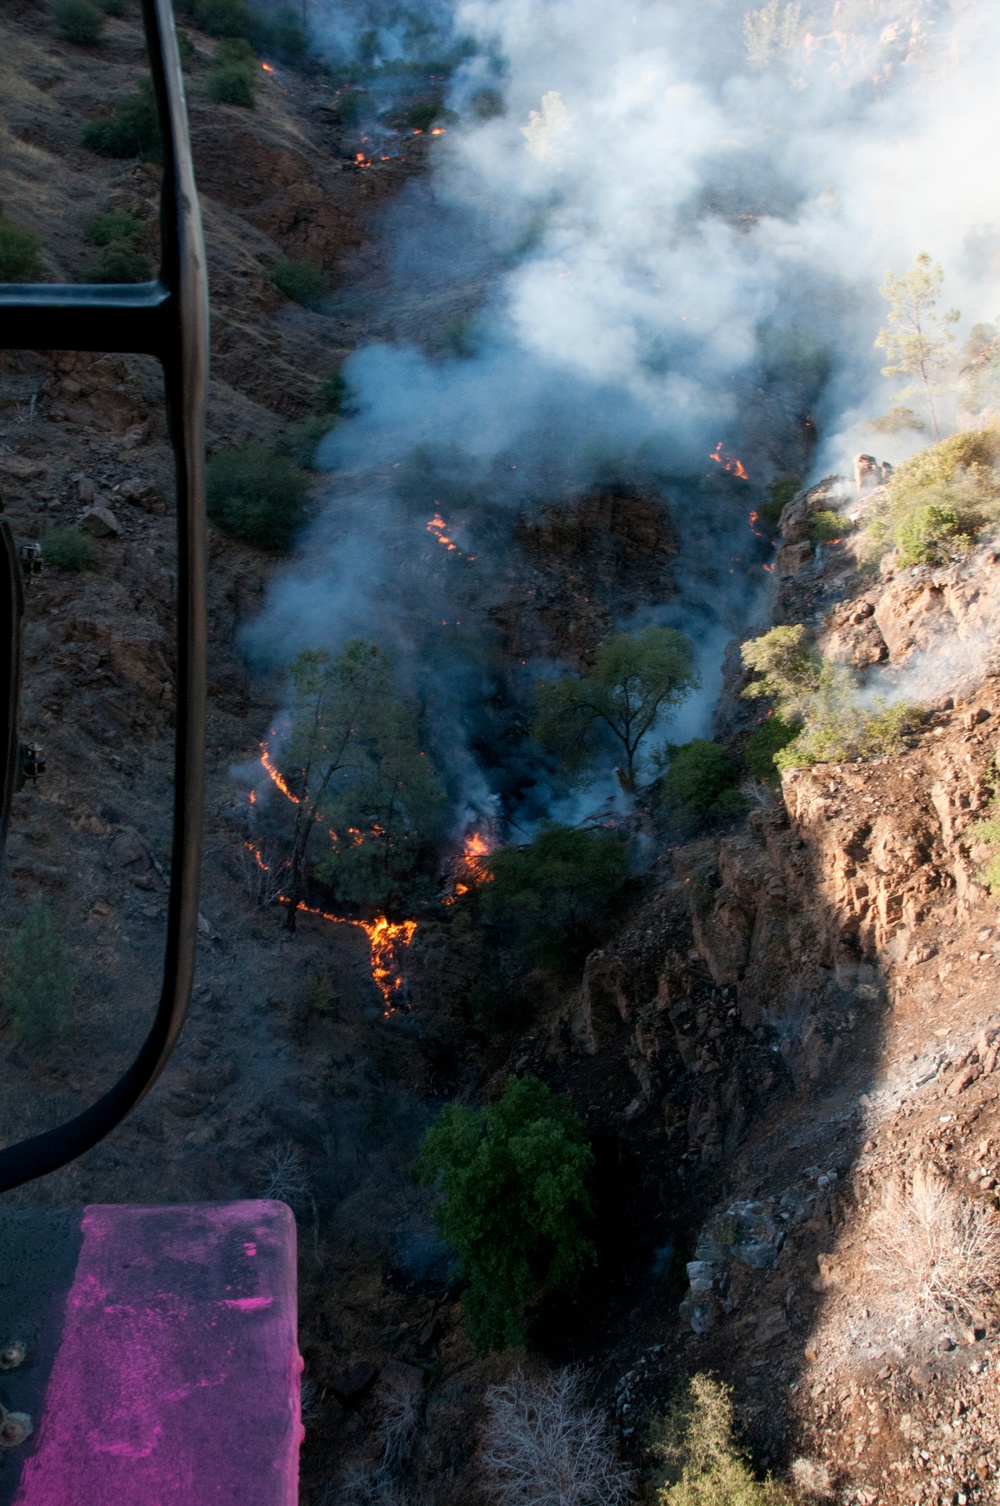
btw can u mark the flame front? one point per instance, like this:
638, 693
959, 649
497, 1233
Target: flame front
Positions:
275, 777
437, 526
729, 463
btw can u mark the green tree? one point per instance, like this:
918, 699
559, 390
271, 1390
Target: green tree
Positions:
916, 338
699, 1457
353, 762
635, 680
552, 896
789, 671
515, 1204
39, 978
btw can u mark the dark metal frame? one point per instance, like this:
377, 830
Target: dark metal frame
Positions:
166, 318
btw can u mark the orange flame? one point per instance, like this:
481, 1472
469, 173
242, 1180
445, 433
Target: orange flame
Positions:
385, 940
437, 526
275, 777
437, 130
729, 463
267, 67
470, 866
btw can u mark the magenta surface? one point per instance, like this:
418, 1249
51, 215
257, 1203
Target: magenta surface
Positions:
177, 1377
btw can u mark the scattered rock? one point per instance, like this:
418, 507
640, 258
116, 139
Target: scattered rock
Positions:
351, 1386
125, 849
144, 494
100, 523
772, 1325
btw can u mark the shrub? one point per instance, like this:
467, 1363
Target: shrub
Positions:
821, 702
699, 1458
115, 225
780, 492
119, 262
701, 779
39, 978
764, 744
224, 18
67, 549
941, 496
334, 395
928, 535
186, 48
114, 7
935, 1249
19, 261
551, 897
987, 832
233, 50
898, 420
256, 496
233, 85
300, 282
420, 117
346, 108
487, 104
133, 130
828, 527
78, 21
542, 1444
513, 1176
279, 35
300, 441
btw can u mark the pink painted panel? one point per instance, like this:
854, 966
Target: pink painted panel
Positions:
177, 1376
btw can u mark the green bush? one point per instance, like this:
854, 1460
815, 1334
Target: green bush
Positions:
821, 702
186, 48
19, 261
551, 897
930, 535
420, 117
779, 493
764, 744
300, 441
256, 496
346, 108
701, 780
233, 50
39, 978
117, 8
133, 130
515, 1204
67, 549
487, 104
78, 21
941, 497
115, 225
698, 1459
233, 85
279, 35
828, 527
334, 395
119, 262
300, 282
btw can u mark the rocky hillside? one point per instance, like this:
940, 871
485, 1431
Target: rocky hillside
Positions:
790, 1039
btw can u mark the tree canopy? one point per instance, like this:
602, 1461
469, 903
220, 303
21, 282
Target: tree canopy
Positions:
515, 1206
552, 896
353, 761
635, 680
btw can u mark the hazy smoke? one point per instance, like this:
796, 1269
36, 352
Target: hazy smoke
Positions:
671, 237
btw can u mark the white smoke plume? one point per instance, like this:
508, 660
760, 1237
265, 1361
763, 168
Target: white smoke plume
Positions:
670, 241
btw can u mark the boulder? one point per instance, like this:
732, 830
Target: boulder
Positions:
100, 523
125, 849
352, 1385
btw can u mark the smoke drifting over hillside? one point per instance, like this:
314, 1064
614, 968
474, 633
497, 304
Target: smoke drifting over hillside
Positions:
670, 241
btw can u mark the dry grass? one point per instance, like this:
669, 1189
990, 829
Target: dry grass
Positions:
936, 1250
543, 1446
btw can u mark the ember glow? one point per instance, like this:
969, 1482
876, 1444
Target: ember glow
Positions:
729, 463
437, 527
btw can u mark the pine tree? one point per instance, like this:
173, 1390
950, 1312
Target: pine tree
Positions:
917, 340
